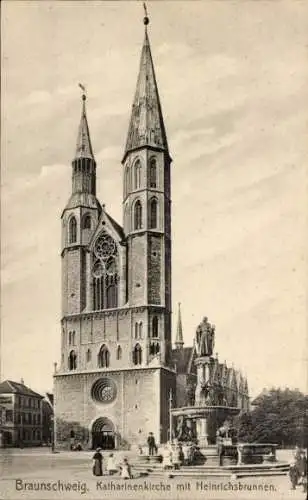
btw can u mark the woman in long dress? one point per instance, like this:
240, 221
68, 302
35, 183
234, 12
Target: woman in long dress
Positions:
125, 470
98, 463
167, 457
111, 465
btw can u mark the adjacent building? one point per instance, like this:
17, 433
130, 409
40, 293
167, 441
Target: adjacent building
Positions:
21, 415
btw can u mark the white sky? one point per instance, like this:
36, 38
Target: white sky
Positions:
232, 78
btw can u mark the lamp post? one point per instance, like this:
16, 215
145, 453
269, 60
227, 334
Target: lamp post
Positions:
170, 415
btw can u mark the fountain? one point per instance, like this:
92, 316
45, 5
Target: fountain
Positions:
212, 406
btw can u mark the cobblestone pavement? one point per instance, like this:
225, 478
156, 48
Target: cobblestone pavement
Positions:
68, 475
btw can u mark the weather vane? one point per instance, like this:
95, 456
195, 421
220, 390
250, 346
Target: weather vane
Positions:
145, 19
83, 90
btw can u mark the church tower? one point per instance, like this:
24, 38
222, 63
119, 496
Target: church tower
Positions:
79, 218
146, 209
116, 348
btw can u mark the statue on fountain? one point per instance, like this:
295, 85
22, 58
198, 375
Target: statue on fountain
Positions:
205, 338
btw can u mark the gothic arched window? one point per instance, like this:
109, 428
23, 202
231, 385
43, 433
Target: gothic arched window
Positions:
119, 352
103, 357
153, 173
136, 330
138, 215
88, 356
86, 222
127, 181
155, 326
137, 355
140, 330
137, 174
72, 230
105, 273
153, 213
72, 361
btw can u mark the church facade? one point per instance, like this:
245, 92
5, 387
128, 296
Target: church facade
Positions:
118, 370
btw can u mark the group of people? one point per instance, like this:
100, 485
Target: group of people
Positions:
176, 454
111, 467
298, 469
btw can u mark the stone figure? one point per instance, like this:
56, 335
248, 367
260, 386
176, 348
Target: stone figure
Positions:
204, 340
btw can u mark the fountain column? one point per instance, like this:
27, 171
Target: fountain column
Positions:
203, 384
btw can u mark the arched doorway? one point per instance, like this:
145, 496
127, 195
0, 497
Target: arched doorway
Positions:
103, 434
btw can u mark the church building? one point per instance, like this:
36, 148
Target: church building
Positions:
116, 372
119, 375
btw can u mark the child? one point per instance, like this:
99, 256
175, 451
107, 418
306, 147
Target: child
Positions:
111, 465
125, 470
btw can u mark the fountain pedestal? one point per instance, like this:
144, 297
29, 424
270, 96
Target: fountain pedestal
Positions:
202, 431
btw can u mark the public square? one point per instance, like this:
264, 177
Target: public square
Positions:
63, 470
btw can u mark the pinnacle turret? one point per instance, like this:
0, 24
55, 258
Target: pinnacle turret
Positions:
179, 330
146, 126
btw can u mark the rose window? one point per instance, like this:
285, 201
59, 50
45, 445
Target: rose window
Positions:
104, 246
104, 391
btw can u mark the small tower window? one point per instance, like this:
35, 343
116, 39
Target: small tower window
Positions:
103, 357
155, 326
72, 361
127, 181
119, 352
72, 230
88, 356
136, 330
140, 330
153, 173
153, 213
86, 222
137, 355
137, 175
138, 215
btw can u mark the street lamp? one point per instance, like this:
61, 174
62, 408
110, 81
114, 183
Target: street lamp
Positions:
170, 415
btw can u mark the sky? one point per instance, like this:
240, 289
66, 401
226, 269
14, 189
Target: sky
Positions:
232, 78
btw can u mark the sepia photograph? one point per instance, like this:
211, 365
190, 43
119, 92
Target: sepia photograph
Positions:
154, 249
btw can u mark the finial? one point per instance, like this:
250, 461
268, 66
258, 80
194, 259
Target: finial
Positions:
146, 20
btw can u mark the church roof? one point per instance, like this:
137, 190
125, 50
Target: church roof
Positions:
182, 359
81, 199
83, 146
10, 387
116, 226
146, 126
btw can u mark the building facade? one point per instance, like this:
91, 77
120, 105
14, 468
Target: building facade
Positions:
116, 368
21, 415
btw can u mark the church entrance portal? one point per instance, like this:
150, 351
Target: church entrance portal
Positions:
103, 434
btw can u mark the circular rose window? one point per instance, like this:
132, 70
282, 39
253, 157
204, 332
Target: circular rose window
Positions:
104, 390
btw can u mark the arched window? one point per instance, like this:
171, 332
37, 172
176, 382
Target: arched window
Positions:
72, 361
127, 181
154, 348
86, 221
137, 174
136, 330
140, 330
138, 215
103, 357
74, 338
137, 355
153, 173
88, 356
105, 273
69, 338
153, 213
72, 230
155, 326
119, 352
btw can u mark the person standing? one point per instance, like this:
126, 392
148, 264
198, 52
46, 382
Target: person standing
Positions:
111, 465
97, 463
151, 444
302, 470
125, 470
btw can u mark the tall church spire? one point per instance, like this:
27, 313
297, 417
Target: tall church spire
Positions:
83, 146
146, 126
179, 331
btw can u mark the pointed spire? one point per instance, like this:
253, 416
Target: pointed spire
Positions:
84, 147
179, 330
146, 126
